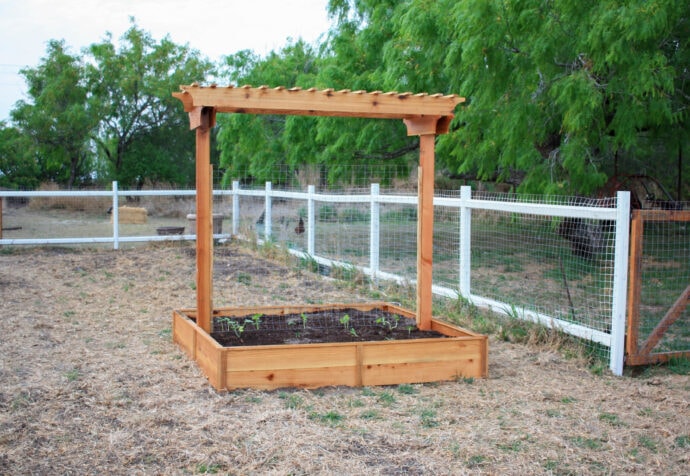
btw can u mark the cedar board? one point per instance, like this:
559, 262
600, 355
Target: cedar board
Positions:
462, 354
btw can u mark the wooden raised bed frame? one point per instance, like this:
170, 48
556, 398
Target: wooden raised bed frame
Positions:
462, 354
313, 365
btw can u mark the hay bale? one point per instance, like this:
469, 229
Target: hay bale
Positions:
131, 215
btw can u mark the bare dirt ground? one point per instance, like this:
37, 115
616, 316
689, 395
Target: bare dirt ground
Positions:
92, 384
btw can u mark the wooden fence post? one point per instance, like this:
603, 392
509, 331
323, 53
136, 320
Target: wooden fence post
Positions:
635, 283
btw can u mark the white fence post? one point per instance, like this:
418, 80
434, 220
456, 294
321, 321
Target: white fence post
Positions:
465, 241
114, 212
267, 212
310, 220
235, 207
620, 283
374, 232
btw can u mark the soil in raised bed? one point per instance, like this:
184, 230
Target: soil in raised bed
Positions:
341, 325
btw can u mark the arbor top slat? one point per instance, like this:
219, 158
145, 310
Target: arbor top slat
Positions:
315, 102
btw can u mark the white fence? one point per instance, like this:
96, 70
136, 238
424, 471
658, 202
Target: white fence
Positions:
512, 254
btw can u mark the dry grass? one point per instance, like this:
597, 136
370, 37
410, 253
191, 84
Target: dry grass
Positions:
91, 383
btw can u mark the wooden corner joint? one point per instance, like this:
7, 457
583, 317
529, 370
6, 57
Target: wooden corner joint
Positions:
425, 125
202, 117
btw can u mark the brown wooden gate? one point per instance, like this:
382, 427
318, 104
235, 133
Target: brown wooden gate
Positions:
639, 312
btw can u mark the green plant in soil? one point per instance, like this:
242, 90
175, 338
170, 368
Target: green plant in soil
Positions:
304, 320
345, 321
235, 327
256, 320
389, 324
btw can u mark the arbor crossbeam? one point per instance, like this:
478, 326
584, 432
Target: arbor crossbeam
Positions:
325, 102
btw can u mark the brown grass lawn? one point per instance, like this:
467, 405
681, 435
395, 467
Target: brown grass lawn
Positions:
92, 384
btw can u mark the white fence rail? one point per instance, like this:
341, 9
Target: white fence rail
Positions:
606, 328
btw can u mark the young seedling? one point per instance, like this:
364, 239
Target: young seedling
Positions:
304, 320
353, 332
389, 324
236, 327
256, 320
345, 321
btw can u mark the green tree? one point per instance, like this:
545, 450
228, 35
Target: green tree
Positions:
264, 147
560, 94
320, 150
18, 165
57, 119
559, 91
143, 133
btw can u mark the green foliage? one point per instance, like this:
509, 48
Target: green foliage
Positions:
18, 169
143, 134
57, 121
107, 113
556, 90
560, 96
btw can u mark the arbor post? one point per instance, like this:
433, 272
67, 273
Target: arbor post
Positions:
425, 128
203, 119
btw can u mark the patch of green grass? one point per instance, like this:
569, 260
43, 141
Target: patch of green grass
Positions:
587, 443
611, 418
386, 398
208, 469
514, 446
648, 443
310, 264
328, 213
244, 278
351, 215
370, 415
72, 375
476, 461
682, 441
368, 392
406, 389
679, 365
331, 417
292, 400
428, 418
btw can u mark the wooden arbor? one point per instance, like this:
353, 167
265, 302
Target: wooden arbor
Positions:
424, 115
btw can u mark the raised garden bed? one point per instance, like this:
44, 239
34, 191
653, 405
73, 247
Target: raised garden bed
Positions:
312, 346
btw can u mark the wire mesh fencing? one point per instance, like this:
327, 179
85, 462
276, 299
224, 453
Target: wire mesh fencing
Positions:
547, 259
552, 260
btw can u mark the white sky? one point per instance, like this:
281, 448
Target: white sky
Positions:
214, 27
